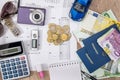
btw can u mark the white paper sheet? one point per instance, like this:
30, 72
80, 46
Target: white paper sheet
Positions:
47, 53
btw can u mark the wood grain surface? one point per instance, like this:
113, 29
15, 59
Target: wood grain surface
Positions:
99, 6
104, 5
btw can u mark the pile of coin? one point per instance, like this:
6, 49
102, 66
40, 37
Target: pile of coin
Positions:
58, 34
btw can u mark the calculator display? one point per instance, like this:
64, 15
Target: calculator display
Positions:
10, 50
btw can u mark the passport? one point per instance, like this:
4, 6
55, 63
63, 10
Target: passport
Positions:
92, 55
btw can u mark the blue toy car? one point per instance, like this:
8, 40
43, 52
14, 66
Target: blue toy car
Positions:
79, 9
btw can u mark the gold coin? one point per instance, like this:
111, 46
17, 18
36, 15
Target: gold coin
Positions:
49, 40
69, 36
60, 30
56, 43
55, 36
59, 41
49, 32
52, 27
66, 28
64, 37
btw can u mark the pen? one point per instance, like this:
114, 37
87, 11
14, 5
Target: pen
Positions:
88, 75
78, 44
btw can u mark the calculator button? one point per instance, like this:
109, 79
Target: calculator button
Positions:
14, 67
7, 65
5, 73
10, 76
24, 65
13, 64
25, 69
7, 61
4, 69
2, 62
23, 62
22, 58
5, 77
20, 73
25, 73
8, 69
15, 71
10, 72
12, 60
19, 70
19, 66
17, 59
18, 63
3, 66
15, 75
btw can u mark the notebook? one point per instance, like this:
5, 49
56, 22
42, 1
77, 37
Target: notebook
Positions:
65, 71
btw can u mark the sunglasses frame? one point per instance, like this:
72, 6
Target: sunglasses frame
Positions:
4, 12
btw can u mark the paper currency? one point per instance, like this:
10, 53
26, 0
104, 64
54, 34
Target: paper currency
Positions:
101, 23
85, 27
110, 42
109, 14
81, 34
85, 30
105, 20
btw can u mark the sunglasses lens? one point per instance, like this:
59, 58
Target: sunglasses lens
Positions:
8, 8
1, 30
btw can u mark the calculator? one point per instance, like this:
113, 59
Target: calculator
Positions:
14, 63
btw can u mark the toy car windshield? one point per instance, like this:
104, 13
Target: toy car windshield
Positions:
79, 7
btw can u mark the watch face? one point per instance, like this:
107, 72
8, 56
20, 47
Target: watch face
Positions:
37, 16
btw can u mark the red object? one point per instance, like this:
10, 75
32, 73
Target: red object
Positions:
22, 58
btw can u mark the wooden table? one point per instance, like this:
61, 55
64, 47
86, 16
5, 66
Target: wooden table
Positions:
99, 6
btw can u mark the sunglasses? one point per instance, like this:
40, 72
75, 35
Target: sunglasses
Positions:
8, 9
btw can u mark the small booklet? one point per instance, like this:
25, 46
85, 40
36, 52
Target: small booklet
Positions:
65, 71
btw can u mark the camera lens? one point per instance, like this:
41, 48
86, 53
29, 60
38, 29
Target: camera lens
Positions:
37, 16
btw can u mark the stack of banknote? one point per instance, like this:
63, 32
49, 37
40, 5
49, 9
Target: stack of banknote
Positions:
109, 41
